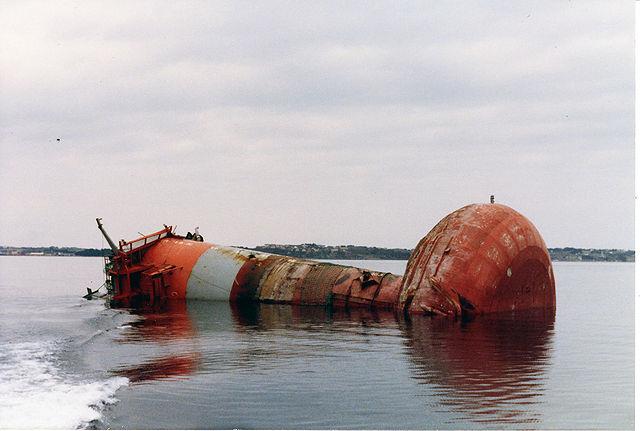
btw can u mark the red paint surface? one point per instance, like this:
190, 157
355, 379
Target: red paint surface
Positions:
181, 253
483, 258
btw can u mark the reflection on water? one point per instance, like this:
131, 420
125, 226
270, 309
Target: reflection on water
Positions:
491, 369
161, 323
165, 367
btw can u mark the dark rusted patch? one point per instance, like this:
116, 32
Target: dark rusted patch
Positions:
432, 298
248, 281
389, 291
343, 278
281, 284
318, 284
364, 288
342, 288
244, 286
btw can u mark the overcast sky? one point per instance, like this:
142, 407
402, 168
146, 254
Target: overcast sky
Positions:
336, 123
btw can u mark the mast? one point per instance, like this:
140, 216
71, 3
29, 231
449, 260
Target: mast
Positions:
106, 236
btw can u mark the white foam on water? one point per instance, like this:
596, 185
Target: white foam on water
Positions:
35, 394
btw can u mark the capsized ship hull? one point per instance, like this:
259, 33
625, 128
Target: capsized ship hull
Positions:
482, 258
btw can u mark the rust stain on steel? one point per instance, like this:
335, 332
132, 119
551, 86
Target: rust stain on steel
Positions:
355, 287
342, 287
364, 288
317, 286
239, 255
247, 282
264, 270
389, 291
283, 280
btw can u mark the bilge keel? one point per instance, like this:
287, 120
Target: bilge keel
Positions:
482, 258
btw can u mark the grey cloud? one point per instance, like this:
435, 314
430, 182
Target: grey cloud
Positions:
356, 122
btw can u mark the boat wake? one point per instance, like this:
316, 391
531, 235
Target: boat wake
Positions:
36, 393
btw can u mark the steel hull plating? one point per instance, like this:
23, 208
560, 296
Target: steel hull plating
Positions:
479, 259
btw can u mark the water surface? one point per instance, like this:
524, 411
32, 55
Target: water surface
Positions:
69, 362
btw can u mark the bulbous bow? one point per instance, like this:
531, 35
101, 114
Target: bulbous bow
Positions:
482, 258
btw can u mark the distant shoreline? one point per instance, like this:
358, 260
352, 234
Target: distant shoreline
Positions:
354, 252
340, 252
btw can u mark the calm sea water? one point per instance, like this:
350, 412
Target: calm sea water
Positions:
66, 362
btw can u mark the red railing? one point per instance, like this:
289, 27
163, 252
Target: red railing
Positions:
144, 241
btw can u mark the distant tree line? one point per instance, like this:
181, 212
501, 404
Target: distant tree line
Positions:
570, 254
318, 251
53, 251
339, 252
355, 252
94, 252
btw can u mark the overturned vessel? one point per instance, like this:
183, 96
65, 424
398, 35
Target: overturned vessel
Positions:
482, 258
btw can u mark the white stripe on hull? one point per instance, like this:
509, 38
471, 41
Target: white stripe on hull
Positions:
213, 274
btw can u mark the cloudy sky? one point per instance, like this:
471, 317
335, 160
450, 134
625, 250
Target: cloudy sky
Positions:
329, 122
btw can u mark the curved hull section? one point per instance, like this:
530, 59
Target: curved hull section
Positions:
211, 272
215, 272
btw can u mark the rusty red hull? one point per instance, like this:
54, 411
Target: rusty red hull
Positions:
479, 259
